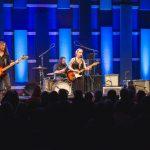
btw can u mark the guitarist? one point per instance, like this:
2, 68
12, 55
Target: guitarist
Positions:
4, 61
76, 64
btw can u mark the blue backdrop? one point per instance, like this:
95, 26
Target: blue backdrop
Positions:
122, 42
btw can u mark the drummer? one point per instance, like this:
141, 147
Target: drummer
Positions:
60, 69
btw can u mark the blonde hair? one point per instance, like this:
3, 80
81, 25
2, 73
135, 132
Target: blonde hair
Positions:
2, 42
78, 50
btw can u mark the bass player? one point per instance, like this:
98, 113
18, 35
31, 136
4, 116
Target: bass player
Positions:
5, 84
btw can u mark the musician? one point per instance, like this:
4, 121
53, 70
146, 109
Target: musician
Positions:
4, 61
76, 64
60, 69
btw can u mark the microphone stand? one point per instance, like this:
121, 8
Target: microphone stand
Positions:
41, 55
87, 48
41, 73
125, 82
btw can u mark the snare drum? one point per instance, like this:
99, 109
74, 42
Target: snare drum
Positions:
47, 84
62, 85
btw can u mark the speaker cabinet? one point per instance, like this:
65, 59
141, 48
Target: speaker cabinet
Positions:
92, 83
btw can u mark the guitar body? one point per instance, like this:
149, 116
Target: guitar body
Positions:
3, 69
2, 73
71, 75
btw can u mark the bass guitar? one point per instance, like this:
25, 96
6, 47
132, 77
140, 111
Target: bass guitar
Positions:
72, 75
3, 69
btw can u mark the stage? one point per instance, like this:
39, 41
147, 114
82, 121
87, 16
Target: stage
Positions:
114, 33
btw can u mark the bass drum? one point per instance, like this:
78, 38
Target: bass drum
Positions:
47, 84
62, 85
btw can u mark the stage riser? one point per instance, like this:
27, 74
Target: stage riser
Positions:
107, 89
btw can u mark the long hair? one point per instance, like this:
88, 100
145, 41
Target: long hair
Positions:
6, 49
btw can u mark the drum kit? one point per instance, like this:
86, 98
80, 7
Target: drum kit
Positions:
51, 83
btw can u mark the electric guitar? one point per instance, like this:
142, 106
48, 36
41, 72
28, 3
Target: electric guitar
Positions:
72, 75
3, 69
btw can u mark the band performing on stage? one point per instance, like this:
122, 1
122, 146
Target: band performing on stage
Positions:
74, 74
69, 77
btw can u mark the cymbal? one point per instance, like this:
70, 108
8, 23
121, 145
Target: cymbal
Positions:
39, 68
50, 74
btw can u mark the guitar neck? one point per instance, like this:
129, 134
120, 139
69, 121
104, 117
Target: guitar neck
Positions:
87, 66
7, 67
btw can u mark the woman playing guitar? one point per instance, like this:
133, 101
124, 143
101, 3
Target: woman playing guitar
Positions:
4, 61
76, 64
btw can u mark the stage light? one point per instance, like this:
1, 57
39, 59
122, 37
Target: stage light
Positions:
20, 46
105, 4
65, 47
106, 50
145, 54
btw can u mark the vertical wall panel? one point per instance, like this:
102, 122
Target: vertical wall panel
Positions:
52, 19
8, 15
65, 44
106, 50
145, 54
20, 46
1, 18
20, 4
63, 4
106, 4
145, 4
76, 18
94, 17
32, 14
126, 42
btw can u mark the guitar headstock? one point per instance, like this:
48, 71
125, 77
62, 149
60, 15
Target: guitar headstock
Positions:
23, 57
96, 63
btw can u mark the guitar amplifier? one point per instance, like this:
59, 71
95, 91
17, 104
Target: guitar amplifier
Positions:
112, 80
142, 85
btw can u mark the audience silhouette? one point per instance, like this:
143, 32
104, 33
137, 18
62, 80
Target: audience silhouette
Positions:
86, 121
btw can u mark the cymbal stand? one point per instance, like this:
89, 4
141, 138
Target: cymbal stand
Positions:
41, 73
